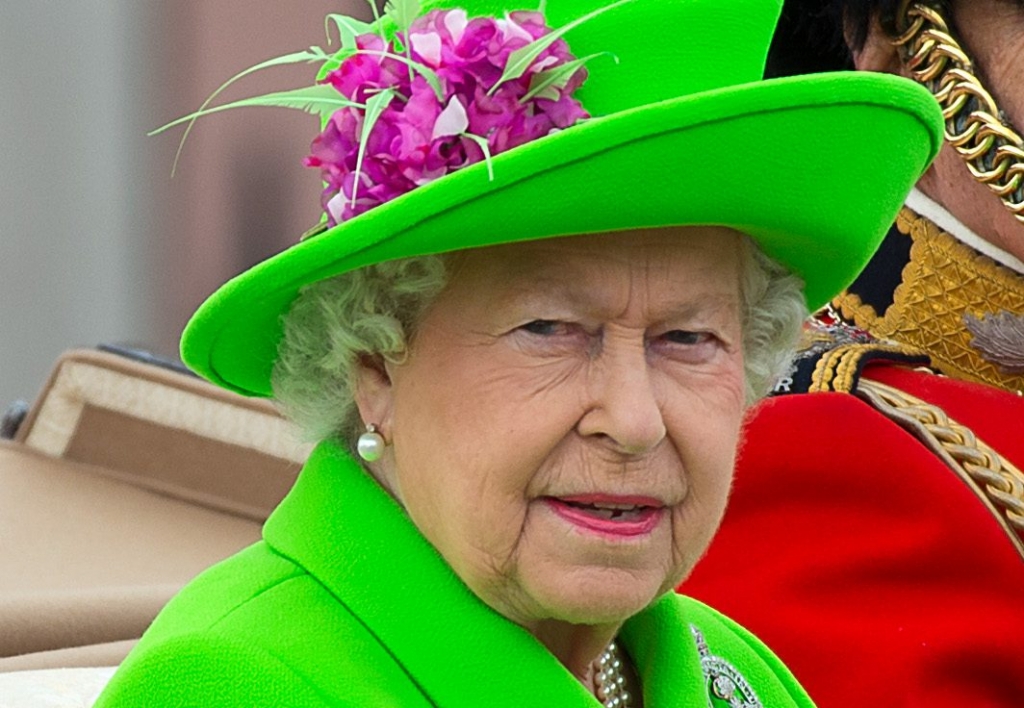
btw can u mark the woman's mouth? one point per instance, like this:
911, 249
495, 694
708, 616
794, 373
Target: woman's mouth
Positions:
609, 516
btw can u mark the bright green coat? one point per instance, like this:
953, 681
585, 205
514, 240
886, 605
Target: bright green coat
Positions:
344, 603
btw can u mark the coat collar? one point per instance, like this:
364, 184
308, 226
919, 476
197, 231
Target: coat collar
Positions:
349, 534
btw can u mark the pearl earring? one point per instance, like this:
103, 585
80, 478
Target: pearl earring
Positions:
370, 444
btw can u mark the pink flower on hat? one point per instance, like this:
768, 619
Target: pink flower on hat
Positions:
420, 136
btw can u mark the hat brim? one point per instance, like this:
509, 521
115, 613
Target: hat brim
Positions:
813, 168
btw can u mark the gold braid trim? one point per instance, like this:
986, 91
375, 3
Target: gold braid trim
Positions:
837, 368
975, 127
997, 483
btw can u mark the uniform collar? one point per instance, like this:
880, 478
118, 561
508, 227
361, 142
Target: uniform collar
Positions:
349, 534
925, 206
929, 290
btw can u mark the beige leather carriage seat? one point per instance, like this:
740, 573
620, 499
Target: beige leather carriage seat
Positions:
124, 481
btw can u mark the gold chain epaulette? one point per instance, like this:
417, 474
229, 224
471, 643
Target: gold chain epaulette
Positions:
997, 483
975, 127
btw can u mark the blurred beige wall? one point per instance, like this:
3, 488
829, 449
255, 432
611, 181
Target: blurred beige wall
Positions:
97, 242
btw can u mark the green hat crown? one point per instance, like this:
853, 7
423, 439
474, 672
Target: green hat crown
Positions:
665, 50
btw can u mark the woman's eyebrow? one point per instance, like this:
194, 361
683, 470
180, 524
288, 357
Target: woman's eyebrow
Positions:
579, 296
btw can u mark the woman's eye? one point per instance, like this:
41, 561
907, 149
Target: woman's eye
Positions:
553, 338
545, 328
680, 336
691, 347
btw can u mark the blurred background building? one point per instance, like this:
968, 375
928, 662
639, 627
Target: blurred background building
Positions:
97, 242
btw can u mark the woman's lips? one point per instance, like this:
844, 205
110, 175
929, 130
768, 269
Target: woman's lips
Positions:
617, 517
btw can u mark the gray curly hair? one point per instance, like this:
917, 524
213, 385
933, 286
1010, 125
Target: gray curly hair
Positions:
373, 312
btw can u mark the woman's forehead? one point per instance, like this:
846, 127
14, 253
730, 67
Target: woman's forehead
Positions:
675, 269
692, 247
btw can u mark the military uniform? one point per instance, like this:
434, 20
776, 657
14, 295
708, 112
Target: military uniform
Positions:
875, 537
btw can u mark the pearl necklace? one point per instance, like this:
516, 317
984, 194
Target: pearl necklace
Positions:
611, 684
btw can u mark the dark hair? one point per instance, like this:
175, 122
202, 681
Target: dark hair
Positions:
810, 37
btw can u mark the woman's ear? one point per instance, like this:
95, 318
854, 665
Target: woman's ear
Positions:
878, 53
374, 394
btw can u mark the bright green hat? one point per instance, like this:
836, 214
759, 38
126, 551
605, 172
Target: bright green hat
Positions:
684, 132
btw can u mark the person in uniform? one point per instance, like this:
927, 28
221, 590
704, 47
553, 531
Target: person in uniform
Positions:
882, 484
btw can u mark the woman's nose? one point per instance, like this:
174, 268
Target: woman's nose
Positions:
622, 404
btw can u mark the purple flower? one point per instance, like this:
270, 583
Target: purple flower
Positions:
419, 138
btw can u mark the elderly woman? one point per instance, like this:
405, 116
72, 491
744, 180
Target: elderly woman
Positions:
537, 313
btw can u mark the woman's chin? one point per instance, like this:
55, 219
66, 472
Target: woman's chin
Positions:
601, 596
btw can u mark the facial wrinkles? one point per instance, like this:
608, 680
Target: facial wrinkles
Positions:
586, 467
623, 305
494, 550
618, 376
536, 377
624, 339
700, 495
531, 376
683, 548
623, 360
580, 466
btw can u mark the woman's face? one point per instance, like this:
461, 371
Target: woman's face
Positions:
564, 428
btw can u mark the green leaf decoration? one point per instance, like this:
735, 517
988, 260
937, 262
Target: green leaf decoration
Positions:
375, 105
316, 230
402, 13
376, 19
548, 83
318, 100
482, 142
519, 60
373, 10
313, 54
348, 29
